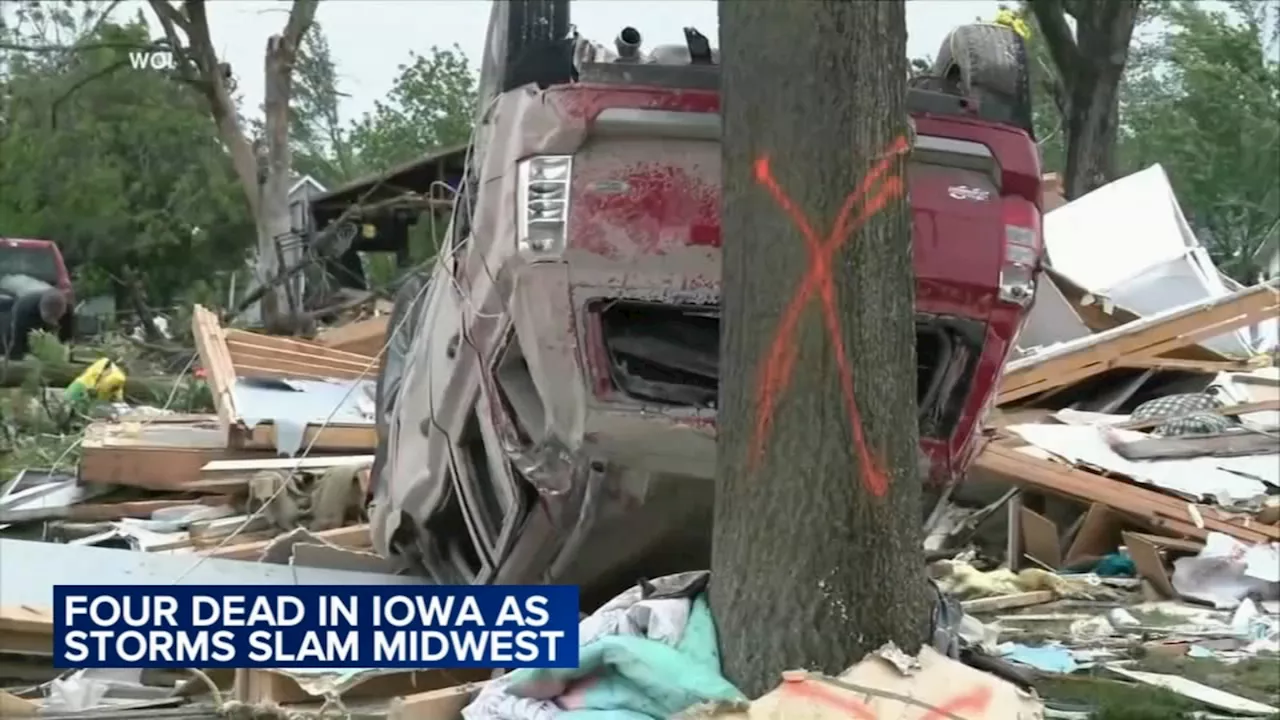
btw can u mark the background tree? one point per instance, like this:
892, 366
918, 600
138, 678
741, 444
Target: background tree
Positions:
1205, 104
321, 142
816, 555
431, 106
1090, 65
265, 173
123, 169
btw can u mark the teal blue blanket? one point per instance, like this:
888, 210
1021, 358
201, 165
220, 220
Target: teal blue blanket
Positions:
627, 677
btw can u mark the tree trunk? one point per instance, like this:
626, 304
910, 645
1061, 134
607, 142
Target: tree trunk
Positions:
1090, 65
274, 222
817, 555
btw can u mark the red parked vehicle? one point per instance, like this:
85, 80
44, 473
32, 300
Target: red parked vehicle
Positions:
547, 411
42, 261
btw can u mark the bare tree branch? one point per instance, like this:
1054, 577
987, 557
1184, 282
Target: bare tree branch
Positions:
77, 85
301, 16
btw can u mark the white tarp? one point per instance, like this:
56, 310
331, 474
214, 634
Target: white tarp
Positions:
1129, 241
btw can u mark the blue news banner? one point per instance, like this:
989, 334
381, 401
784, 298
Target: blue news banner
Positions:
342, 626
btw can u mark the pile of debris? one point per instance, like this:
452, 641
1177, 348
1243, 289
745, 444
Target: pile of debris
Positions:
1125, 507
1124, 511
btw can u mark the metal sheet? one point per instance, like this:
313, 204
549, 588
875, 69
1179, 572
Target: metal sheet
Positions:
29, 571
292, 405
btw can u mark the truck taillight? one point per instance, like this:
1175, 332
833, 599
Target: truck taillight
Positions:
1022, 252
542, 204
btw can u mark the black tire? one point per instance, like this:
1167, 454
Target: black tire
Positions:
989, 63
409, 301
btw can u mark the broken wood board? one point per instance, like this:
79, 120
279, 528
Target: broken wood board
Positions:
1228, 411
888, 684
283, 687
257, 355
1007, 602
1150, 564
1156, 509
1233, 444
1203, 694
165, 456
12, 706
354, 537
443, 704
101, 512
284, 411
1039, 539
26, 631
1100, 314
1152, 336
363, 337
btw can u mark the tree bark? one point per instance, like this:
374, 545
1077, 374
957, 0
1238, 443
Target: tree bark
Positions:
268, 196
811, 566
1090, 65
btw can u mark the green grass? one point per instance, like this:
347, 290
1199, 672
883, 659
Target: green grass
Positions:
1113, 699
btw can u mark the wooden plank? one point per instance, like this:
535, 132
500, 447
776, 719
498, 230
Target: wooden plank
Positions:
275, 687
1007, 602
12, 706
1143, 338
100, 512
354, 536
1169, 543
26, 630
1149, 563
330, 438
220, 374
311, 462
1232, 444
1160, 510
1040, 538
443, 704
253, 361
1204, 366
1228, 411
265, 344
365, 337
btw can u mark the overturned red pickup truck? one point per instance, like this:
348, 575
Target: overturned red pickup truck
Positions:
547, 406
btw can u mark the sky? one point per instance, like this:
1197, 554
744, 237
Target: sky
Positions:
369, 39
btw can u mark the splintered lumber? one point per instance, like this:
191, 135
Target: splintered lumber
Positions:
1007, 602
255, 355
364, 337
280, 687
1228, 411
161, 453
443, 704
1143, 339
25, 630
242, 366
1170, 514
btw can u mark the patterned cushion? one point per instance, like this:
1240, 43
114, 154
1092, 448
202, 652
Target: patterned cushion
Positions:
1194, 413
